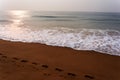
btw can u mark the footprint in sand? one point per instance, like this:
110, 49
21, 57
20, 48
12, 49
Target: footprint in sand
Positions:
34, 63
45, 66
4, 56
58, 69
15, 58
89, 76
1, 54
24, 61
46, 74
71, 74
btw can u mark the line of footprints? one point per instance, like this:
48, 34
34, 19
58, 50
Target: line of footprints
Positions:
46, 66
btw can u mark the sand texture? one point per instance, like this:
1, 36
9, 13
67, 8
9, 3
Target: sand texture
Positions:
32, 61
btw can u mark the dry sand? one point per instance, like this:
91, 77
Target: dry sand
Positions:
32, 61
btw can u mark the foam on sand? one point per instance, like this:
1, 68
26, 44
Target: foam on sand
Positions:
105, 41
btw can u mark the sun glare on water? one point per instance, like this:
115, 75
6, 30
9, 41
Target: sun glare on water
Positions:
17, 19
19, 13
18, 16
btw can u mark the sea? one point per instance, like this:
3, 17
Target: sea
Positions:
98, 31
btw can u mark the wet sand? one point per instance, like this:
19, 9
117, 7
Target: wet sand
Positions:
32, 61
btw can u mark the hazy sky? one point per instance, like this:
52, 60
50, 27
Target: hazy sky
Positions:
62, 5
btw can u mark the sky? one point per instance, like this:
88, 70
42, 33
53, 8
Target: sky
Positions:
62, 5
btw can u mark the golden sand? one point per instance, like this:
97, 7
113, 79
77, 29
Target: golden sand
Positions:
32, 61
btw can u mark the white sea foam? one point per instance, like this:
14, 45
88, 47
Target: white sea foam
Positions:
105, 41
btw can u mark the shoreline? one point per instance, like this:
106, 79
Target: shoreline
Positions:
100, 52
84, 64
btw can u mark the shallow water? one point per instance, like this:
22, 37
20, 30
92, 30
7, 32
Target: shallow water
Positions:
77, 30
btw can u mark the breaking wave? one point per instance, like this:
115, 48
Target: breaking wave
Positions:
105, 41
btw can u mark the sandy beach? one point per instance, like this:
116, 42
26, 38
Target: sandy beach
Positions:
33, 61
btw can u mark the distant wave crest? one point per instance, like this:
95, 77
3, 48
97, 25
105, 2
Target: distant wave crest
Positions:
47, 16
92, 19
5, 21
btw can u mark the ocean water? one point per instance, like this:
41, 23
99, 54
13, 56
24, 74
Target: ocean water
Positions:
96, 31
